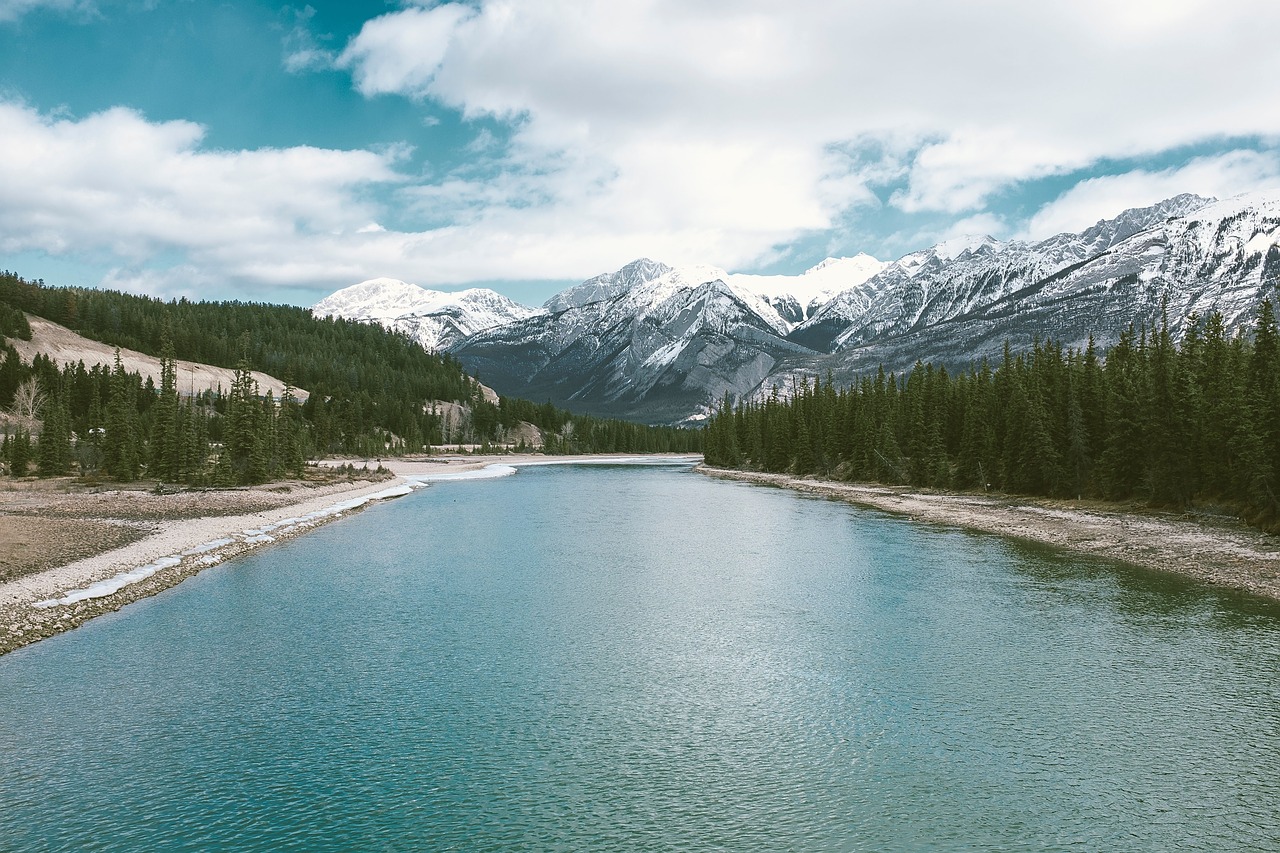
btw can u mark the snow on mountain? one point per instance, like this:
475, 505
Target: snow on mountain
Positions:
963, 277
434, 318
781, 300
662, 343
607, 286
1183, 258
813, 287
655, 350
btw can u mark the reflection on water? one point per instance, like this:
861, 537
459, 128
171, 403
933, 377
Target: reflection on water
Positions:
595, 658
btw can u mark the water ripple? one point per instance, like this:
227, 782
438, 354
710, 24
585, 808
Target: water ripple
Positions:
564, 660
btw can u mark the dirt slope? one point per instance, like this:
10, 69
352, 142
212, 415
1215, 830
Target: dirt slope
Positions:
65, 346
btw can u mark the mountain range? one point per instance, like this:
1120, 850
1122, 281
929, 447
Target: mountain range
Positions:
661, 344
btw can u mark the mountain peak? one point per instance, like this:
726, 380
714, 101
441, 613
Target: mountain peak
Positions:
954, 247
1137, 219
858, 262
434, 318
607, 285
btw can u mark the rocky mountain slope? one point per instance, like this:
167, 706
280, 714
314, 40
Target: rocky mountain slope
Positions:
1187, 255
661, 344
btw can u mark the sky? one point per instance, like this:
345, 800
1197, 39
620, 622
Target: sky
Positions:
268, 152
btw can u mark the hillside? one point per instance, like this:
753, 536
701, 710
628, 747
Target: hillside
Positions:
240, 418
65, 347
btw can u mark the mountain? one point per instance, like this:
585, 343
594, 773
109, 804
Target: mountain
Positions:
436, 320
655, 351
661, 344
1187, 256
604, 287
965, 275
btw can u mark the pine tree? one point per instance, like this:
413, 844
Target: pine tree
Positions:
1264, 417
240, 462
120, 444
18, 453
166, 445
54, 450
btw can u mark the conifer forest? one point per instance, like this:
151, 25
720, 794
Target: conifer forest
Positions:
1175, 424
371, 393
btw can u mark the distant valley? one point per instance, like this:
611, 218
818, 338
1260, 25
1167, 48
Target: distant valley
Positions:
661, 344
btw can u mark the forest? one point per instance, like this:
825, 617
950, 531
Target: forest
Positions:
372, 392
1178, 424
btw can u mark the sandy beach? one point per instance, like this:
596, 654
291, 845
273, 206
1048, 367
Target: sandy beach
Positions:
69, 553
1216, 550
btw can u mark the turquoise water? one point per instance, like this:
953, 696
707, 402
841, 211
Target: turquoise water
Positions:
608, 658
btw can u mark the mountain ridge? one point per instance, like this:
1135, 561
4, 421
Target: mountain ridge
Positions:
660, 343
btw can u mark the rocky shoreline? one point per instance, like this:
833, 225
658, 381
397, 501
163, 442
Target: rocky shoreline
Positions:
1217, 551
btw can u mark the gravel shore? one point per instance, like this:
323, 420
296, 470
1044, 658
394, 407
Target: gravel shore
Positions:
1215, 550
57, 539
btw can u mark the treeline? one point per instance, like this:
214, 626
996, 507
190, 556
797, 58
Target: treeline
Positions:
372, 392
1170, 423
110, 423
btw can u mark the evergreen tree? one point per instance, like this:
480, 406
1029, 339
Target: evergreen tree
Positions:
17, 452
54, 450
240, 462
120, 449
166, 443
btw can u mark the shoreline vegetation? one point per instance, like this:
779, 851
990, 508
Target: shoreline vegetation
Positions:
1178, 425
59, 539
1216, 550
345, 389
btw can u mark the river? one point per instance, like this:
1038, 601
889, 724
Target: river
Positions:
642, 658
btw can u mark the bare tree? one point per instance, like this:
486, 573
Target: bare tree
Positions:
28, 400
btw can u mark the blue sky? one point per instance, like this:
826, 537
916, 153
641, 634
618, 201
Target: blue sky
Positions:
261, 151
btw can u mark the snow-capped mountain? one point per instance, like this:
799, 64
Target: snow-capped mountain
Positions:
1193, 255
662, 343
961, 276
435, 319
606, 286
653, 351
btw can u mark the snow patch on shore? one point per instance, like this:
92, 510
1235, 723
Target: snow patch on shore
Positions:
111, 585
488, 472
206, 547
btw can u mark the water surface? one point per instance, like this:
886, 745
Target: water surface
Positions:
646, 659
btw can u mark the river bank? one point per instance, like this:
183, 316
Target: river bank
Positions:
69, 553
1214, 550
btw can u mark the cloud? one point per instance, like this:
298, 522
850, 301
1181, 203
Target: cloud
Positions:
713, 131
117, 185
741, 126
1219, 176
131, 193
302, 50
12, 10
400, 52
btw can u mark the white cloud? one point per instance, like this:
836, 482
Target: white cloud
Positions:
1087, 202
302, 50
724, 122
117, 184
114, 185
12, 10
400, 52
711, 131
